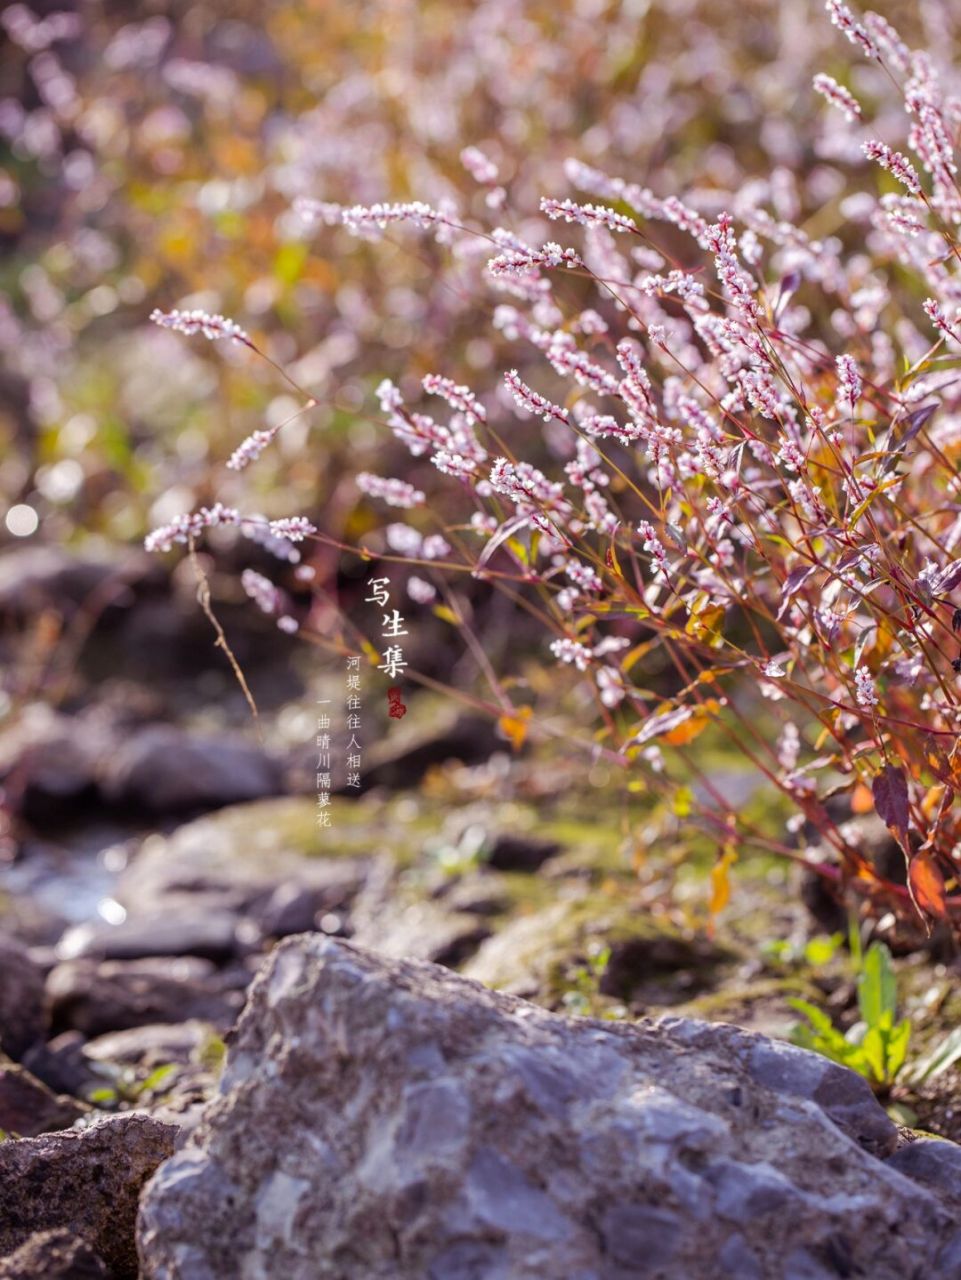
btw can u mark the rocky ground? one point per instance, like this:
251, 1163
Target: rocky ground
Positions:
156, 851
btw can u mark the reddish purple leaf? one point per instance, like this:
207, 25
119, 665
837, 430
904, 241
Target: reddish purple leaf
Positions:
915, 421
793, 584
851, 557
890, 791
903, 433
948, 578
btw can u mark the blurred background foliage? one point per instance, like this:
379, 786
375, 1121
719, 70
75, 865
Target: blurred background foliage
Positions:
149, 157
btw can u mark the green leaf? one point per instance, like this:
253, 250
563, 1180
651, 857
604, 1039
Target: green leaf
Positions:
821, 950
897, 1047
854, 942
823, 1037
902, 1114
877, 990
683, 802
860, 509
874, 1048
818, 1019
158, 1076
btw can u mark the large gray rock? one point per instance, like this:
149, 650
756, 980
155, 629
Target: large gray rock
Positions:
95, 997
165, 769
38, 578
28, 1107
395, 1121
399, 924
49, 759
198, 929
236, 859
83, 1181
23, 1011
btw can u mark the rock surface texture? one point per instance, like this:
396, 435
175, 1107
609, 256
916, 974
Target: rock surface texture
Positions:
84, 1182
54, 1255
23, 1011
393, 1121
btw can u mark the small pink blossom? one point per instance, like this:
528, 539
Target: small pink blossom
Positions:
838, 96
652, 544
458, 397
420, 591
935, 313
842, 17
186, 527
588, 215
480, 167
532, 401
293, 528
211, 326
367, 221
895, 163
249, 450
522, 262
572, 653
396, 493
849, 381
864, 688
265, 594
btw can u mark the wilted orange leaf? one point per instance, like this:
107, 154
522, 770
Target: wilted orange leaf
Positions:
927, 885
862, 800
698, 721
514, 726
721, 882
933, 797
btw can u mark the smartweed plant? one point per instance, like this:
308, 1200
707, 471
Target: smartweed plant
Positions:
728, 446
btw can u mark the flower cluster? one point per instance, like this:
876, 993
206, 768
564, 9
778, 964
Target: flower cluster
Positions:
396, 493
249, 450
214, 327
186, 528
588, 215
838, 96
898, 165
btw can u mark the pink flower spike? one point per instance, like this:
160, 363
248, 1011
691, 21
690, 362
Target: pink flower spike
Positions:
396, 493
532, 401
293, 528
864, 688
845, 21
249, 450
849, 381
214, 327
458, 397
935, 313
588, 215
266, 596
480, 167
895, 163
838, 96
184, 528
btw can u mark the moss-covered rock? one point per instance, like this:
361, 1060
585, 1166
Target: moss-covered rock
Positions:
630, 955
